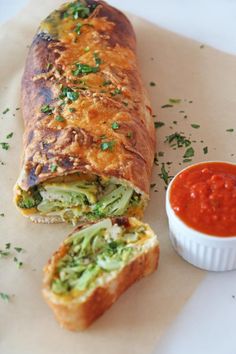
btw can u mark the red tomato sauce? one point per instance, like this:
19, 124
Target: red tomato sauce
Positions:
204, 197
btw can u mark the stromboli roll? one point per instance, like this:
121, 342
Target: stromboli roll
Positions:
95, 265
89, 137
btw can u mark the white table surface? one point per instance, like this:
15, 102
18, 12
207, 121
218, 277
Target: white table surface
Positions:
206, 325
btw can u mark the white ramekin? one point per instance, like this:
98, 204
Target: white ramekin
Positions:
203, 251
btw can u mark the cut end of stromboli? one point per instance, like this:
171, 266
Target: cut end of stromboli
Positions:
76, 309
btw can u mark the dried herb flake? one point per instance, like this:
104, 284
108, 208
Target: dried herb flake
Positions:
174, 100
164, 175
167, 105
107, 145
5, 146
158, 124
9, 136
177, 139
47, 109
53, 168
59, 119
5, 297
6, 110
189, 153
115, 125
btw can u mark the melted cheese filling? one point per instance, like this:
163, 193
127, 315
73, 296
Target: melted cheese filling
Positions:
71, 198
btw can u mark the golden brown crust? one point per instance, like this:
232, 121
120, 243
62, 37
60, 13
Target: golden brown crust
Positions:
75, 144
76, 315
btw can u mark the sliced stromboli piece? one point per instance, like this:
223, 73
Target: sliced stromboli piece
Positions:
95, 265
89, 137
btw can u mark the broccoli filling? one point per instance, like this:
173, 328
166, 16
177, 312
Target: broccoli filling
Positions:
71, 200
93, 253
30, 199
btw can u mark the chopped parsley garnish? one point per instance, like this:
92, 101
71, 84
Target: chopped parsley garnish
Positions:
106, 83
84, 69
67, 92
107, 145
205, 150
78, 27
53, 168
7, 252
160, 153
86, 49
5, 146
174, 100
165, 175
9, 136
117, 91
76, 10
72, 109
156, 160
177, 139
152, 83
115, 126
230, 130
6, 110
195, 126
87, 69
158, 124
73, 96
98, 60
59, 119
4, 253
19, 264
5, 297
47, 109
187, 160
18, 249
167, 105
189, 153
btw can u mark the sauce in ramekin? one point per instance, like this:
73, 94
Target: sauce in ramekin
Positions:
204, 197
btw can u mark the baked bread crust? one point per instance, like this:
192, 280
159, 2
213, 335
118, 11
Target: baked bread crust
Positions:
75, 315
74, 145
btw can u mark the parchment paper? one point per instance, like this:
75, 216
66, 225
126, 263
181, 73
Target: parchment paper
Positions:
181, 69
